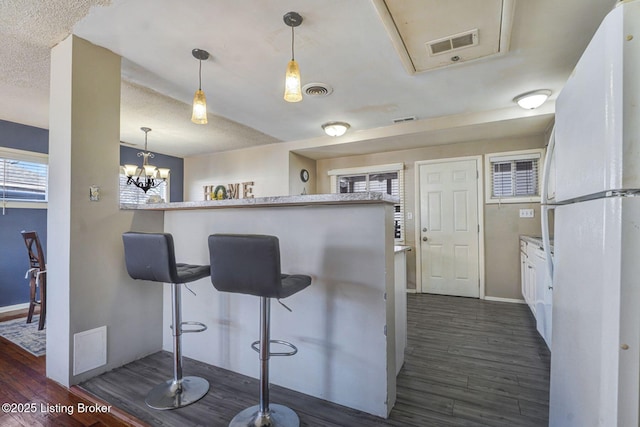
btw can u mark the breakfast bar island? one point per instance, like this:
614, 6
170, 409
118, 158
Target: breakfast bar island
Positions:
344, 324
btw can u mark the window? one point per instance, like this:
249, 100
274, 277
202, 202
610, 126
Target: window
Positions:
513, 177
383, 179
132, 194
23, 176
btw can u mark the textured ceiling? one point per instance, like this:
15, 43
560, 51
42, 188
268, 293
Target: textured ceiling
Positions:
343, 43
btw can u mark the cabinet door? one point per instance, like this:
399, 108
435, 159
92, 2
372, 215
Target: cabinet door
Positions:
523, 274
531, 285
543, 301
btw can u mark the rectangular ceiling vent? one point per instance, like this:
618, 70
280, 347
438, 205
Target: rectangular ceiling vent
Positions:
454, 42
404, 119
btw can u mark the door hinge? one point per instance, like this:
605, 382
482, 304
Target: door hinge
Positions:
478, 228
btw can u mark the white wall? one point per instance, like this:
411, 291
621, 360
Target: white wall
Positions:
338, 323
267, 166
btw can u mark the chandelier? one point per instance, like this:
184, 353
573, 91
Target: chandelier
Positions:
147, 176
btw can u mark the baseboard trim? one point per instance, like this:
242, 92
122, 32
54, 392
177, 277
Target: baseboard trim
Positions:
14, 307
511, 300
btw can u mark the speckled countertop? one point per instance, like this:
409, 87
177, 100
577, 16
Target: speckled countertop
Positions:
534, 240
273, 201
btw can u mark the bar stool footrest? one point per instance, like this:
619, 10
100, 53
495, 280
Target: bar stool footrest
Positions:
202, 327
256, 347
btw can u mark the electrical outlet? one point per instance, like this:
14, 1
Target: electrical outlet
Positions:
526, 213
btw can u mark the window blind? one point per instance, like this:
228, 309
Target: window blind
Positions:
514, 178
23, 180
391, 183
133, 195
526, 177
502, 184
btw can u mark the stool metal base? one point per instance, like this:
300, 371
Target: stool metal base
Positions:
278, 416
167, 395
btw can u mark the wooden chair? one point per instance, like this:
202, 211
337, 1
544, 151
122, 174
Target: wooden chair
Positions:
37, 275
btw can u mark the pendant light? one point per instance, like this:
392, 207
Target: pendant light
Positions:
292, 90
199, 115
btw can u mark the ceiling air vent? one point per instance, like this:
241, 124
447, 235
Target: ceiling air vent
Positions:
317, 90
451, 43
404, 119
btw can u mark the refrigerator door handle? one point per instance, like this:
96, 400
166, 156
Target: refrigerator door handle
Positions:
546, 242
545, 206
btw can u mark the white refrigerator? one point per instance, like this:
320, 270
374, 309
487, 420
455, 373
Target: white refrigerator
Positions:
595, 357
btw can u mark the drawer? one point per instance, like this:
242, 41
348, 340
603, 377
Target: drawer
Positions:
523, 246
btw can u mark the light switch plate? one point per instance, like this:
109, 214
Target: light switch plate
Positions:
526, 213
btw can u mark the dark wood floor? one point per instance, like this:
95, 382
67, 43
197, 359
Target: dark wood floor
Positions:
469, 363
23, 383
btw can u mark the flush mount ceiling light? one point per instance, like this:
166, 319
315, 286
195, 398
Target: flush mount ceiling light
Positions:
531, 100
199, 115
335, 128
292, 91
153, 176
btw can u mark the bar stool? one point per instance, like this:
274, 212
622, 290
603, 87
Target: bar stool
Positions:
250, 264
151, 256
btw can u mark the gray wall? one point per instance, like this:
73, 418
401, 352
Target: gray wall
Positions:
129, 155
13, 254
90, 287
502, 225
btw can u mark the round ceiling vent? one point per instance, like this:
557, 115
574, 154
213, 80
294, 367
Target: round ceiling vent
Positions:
317, 90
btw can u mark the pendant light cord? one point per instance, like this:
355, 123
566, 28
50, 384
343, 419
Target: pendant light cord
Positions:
200, 75
292, 39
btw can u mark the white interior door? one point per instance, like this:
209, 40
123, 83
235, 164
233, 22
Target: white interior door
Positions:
449, 230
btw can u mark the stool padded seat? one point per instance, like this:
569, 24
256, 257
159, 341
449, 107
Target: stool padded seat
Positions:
250, 264
292, 283
151, 256
190, 273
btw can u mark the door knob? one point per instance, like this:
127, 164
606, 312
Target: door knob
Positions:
424, 239
424, 229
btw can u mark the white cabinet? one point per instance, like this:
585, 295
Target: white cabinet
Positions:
401, 303
528, 276
543, 291
536, 284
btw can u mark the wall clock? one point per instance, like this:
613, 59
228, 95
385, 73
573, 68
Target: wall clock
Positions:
304, 175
